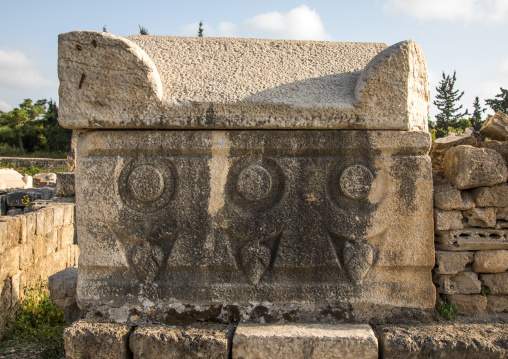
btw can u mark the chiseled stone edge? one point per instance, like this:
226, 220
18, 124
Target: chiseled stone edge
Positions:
311, 340
391, 93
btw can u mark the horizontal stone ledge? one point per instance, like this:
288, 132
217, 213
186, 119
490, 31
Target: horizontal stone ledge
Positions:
450, 341
471, 239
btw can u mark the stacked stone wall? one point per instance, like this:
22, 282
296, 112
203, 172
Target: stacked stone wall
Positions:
34, 246
50, 164
471, 222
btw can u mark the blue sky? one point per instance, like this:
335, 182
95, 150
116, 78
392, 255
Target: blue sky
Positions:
468, 36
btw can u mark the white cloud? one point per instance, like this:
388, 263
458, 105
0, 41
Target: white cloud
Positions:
19, 72
490, 88
300, 23
5, 107
450, 10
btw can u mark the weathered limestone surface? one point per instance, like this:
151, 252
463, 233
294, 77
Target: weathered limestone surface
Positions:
65, 184
472, 239
157, 341
248, 216
448, 197
445, 220
481, 217
468, 304
462, 283
107, 81
62, 288
470, 167
445, 143
497, 303
85, 340
495, 196
304, 341
453, 341
452, 262
497, 283
495, 261
496, 127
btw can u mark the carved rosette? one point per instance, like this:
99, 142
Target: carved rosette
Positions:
146, 186
253, 190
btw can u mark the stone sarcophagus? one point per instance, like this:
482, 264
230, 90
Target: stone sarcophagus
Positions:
238, 174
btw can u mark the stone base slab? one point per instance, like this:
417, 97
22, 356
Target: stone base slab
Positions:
304, 341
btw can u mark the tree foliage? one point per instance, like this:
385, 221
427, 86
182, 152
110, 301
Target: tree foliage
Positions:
500, 104
476, 118
446, 101
200, 29
34, 126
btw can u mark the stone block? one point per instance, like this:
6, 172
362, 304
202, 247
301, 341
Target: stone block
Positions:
3, 204
39, 247
22, 229
497, 303
160, 341
5, 295
496, 127
26, 257
451, 341
17, 289
58, 216
472, 239
11, 179
497, 283
470, 167
44, 179
468, 304
62, 287
378, 87
51, 241
452, 140
495, 196
49, 221
9, 262
20, 198
68, 214
3, 236
500, 146
67, 236
493, 261
292, 227
481, 217
447, 198
502, 213
305, 341
452, 262
31, 226
40, 223
445, 220
462, 283
13, 231
65, 184
97, 340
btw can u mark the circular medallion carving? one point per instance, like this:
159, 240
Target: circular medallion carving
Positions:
254, 183
145, 183
355, 182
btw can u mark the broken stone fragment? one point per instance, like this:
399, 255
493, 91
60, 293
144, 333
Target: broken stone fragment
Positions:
497, 283
452, 262
495, 196
445, 143
496, 127
493, 261
481, 217
447, 197
470, 167
445, 220
471, 239
462, 283
497, 303
500, 146
468, 304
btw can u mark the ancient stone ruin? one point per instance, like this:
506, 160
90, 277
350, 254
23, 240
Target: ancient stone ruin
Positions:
246, 181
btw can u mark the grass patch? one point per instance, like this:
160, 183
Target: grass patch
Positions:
36, 328
449, 311
32, 170
6, 151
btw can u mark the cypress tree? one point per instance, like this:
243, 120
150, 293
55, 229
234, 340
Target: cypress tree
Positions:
446, 102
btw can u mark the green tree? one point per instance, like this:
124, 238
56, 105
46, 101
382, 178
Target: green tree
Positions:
501, 104
143, 30
25, 120
59, 137
476, 119
200, 29
446, 102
